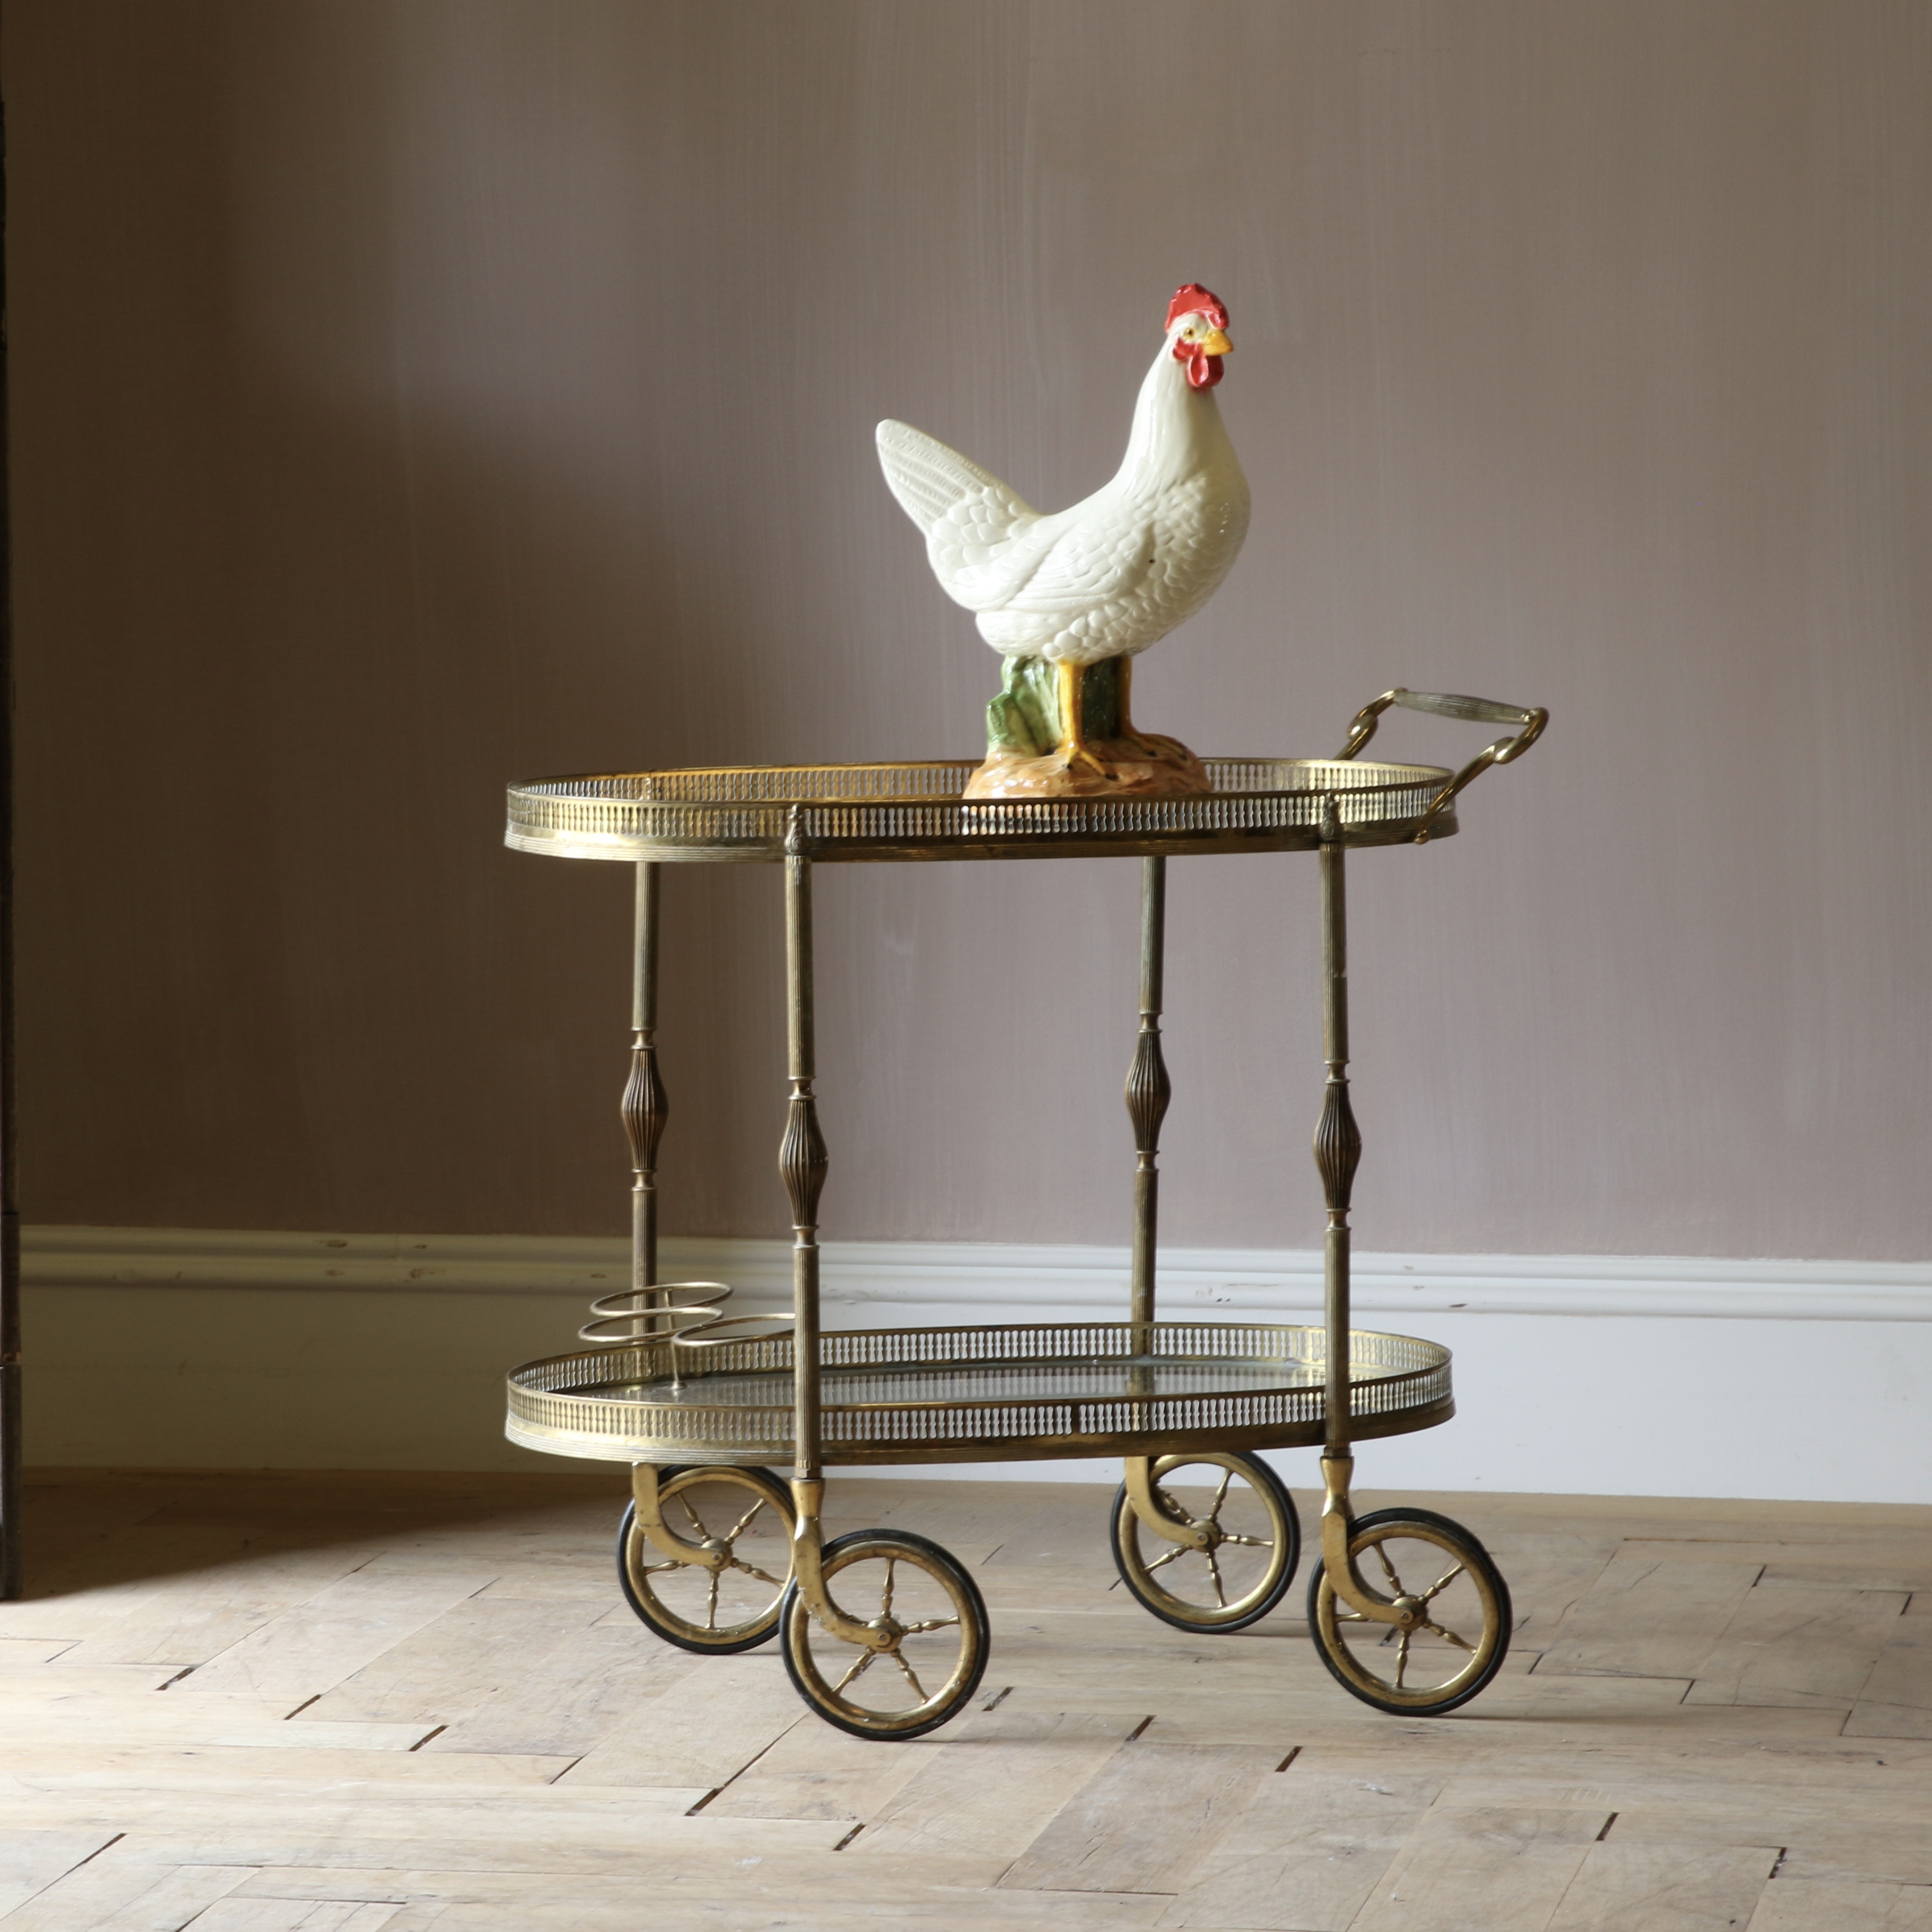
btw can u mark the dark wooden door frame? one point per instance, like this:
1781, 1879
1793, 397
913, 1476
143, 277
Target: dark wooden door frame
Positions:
11, 1579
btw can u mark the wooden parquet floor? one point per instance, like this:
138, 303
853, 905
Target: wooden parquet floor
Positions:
377, 1703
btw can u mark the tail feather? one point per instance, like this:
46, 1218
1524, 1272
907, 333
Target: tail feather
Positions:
935, 484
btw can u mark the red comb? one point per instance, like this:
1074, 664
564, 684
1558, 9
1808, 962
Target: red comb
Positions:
1192, 299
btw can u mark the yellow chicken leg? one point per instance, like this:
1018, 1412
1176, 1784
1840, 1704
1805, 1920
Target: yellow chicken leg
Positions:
1148, 748
1073, 747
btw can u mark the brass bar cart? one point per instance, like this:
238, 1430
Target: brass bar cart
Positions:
883, 1632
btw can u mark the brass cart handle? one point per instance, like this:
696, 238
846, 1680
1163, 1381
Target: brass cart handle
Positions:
1447, 704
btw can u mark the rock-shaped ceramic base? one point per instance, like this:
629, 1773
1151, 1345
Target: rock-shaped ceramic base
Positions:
1125, 771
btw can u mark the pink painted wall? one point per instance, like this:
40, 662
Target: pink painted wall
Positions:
413, 395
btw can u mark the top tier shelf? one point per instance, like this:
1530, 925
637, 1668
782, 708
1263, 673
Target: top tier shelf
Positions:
740, 815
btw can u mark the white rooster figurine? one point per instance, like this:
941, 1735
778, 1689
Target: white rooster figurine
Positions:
1070, 599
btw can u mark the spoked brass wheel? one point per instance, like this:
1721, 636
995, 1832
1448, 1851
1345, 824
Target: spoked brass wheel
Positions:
1253, 1542
744, 1518
933, 1621
1458, 1618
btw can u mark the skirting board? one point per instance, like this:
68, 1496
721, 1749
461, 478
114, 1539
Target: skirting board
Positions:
1577, 1374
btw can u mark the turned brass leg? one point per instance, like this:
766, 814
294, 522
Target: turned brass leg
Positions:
1147, 1093
645, 1107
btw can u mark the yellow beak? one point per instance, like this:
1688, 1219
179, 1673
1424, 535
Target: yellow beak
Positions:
1215, 343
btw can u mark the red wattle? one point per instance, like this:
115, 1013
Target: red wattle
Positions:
1203, 371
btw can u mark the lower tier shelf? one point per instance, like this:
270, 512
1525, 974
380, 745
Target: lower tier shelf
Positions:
1004, 1394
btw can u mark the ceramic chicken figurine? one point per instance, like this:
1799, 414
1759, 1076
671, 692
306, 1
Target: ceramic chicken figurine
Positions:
1070, 599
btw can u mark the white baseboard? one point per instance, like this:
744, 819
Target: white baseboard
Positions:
924, 1275
1579, 1375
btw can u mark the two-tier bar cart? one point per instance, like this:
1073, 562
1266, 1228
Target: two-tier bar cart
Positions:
883, 1632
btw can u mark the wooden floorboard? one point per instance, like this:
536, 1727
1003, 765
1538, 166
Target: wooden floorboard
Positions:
380, 1703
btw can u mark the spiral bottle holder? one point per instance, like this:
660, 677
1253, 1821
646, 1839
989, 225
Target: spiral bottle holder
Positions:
686, 1314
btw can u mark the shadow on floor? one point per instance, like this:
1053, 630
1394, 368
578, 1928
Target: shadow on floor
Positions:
88, 1529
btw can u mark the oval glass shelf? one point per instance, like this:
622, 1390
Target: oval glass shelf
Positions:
981, 1393
914, 810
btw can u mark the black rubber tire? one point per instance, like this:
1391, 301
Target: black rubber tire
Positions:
654, 1618
794, 1620
1477, 1560
1170, 1610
